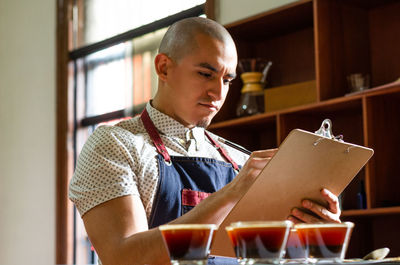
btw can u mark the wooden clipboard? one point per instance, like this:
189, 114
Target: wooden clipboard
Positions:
304, 164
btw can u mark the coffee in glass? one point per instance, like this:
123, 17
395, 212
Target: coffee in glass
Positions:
295, 250
325, 242
260, 242
188, 243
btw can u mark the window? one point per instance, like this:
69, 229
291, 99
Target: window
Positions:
110, 75
101, 19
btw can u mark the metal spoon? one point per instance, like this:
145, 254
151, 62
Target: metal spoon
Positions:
377, 254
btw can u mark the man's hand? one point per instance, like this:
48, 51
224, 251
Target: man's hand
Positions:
331, 214
250, 171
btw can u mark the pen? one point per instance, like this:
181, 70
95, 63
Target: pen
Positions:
237, 147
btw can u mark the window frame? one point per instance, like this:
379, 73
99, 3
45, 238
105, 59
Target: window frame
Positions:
66, 123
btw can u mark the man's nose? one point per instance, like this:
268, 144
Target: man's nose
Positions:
217, 88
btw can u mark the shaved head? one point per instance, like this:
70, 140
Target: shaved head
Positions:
180, 38
196, 61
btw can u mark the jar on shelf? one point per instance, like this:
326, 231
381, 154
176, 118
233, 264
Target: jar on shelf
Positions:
252, 94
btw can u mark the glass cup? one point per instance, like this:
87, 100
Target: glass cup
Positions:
259, 242
188, 243
358, 82
230, 230
325, 242
295, 250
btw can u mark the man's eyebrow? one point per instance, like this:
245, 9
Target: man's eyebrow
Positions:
208, 66
212, 68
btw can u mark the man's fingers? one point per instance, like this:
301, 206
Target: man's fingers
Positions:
321, 211
332, 201
258, 162
259, 159
294, 219
304, 217
322, 214
254, 165
264, 153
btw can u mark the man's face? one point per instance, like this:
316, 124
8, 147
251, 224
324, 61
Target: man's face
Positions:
199, 82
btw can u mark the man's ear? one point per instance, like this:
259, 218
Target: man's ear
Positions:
162, 62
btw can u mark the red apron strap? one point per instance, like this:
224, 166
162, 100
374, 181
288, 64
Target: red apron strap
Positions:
154, 135
222, 151
159, 144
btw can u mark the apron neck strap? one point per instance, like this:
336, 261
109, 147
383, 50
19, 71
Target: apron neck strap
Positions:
154, 135
159, 144
222, 151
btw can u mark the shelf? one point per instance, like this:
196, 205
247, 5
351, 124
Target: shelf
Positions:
390, 88
258, 133
325, 41
255, 119
371, 212
336, 104
279, 21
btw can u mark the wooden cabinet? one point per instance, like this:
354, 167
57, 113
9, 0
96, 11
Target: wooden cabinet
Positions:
325, 41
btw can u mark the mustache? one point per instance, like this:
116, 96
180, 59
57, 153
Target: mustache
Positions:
210, 101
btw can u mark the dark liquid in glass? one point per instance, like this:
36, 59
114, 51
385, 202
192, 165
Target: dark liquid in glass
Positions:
260, 242
188, 244
326, 242
294, 247
232, 237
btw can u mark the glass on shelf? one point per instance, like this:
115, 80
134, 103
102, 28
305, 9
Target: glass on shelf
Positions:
358, 82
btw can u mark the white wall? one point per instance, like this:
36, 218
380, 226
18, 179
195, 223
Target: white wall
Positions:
228, 11
27, 131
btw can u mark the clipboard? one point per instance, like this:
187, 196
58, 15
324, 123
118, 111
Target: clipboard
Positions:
304, 164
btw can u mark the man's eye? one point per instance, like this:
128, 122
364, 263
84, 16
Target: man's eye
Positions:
227, 82
207, 75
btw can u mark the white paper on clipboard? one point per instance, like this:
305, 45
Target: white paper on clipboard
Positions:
304, 164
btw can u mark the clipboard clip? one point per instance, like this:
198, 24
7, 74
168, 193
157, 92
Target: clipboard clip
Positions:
326, 131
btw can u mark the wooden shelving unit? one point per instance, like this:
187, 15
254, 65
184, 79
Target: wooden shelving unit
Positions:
371, 212
326, 40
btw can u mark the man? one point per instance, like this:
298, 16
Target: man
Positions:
132, 177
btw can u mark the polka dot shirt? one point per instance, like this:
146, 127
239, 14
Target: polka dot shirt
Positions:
121, 160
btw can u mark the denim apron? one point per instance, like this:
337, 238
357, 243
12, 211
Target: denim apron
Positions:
184, 181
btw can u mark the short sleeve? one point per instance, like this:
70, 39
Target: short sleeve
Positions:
104, 169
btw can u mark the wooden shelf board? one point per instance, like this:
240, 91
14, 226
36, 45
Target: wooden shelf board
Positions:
393, 87
327, 105
264, 117
334, 104
372, 212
